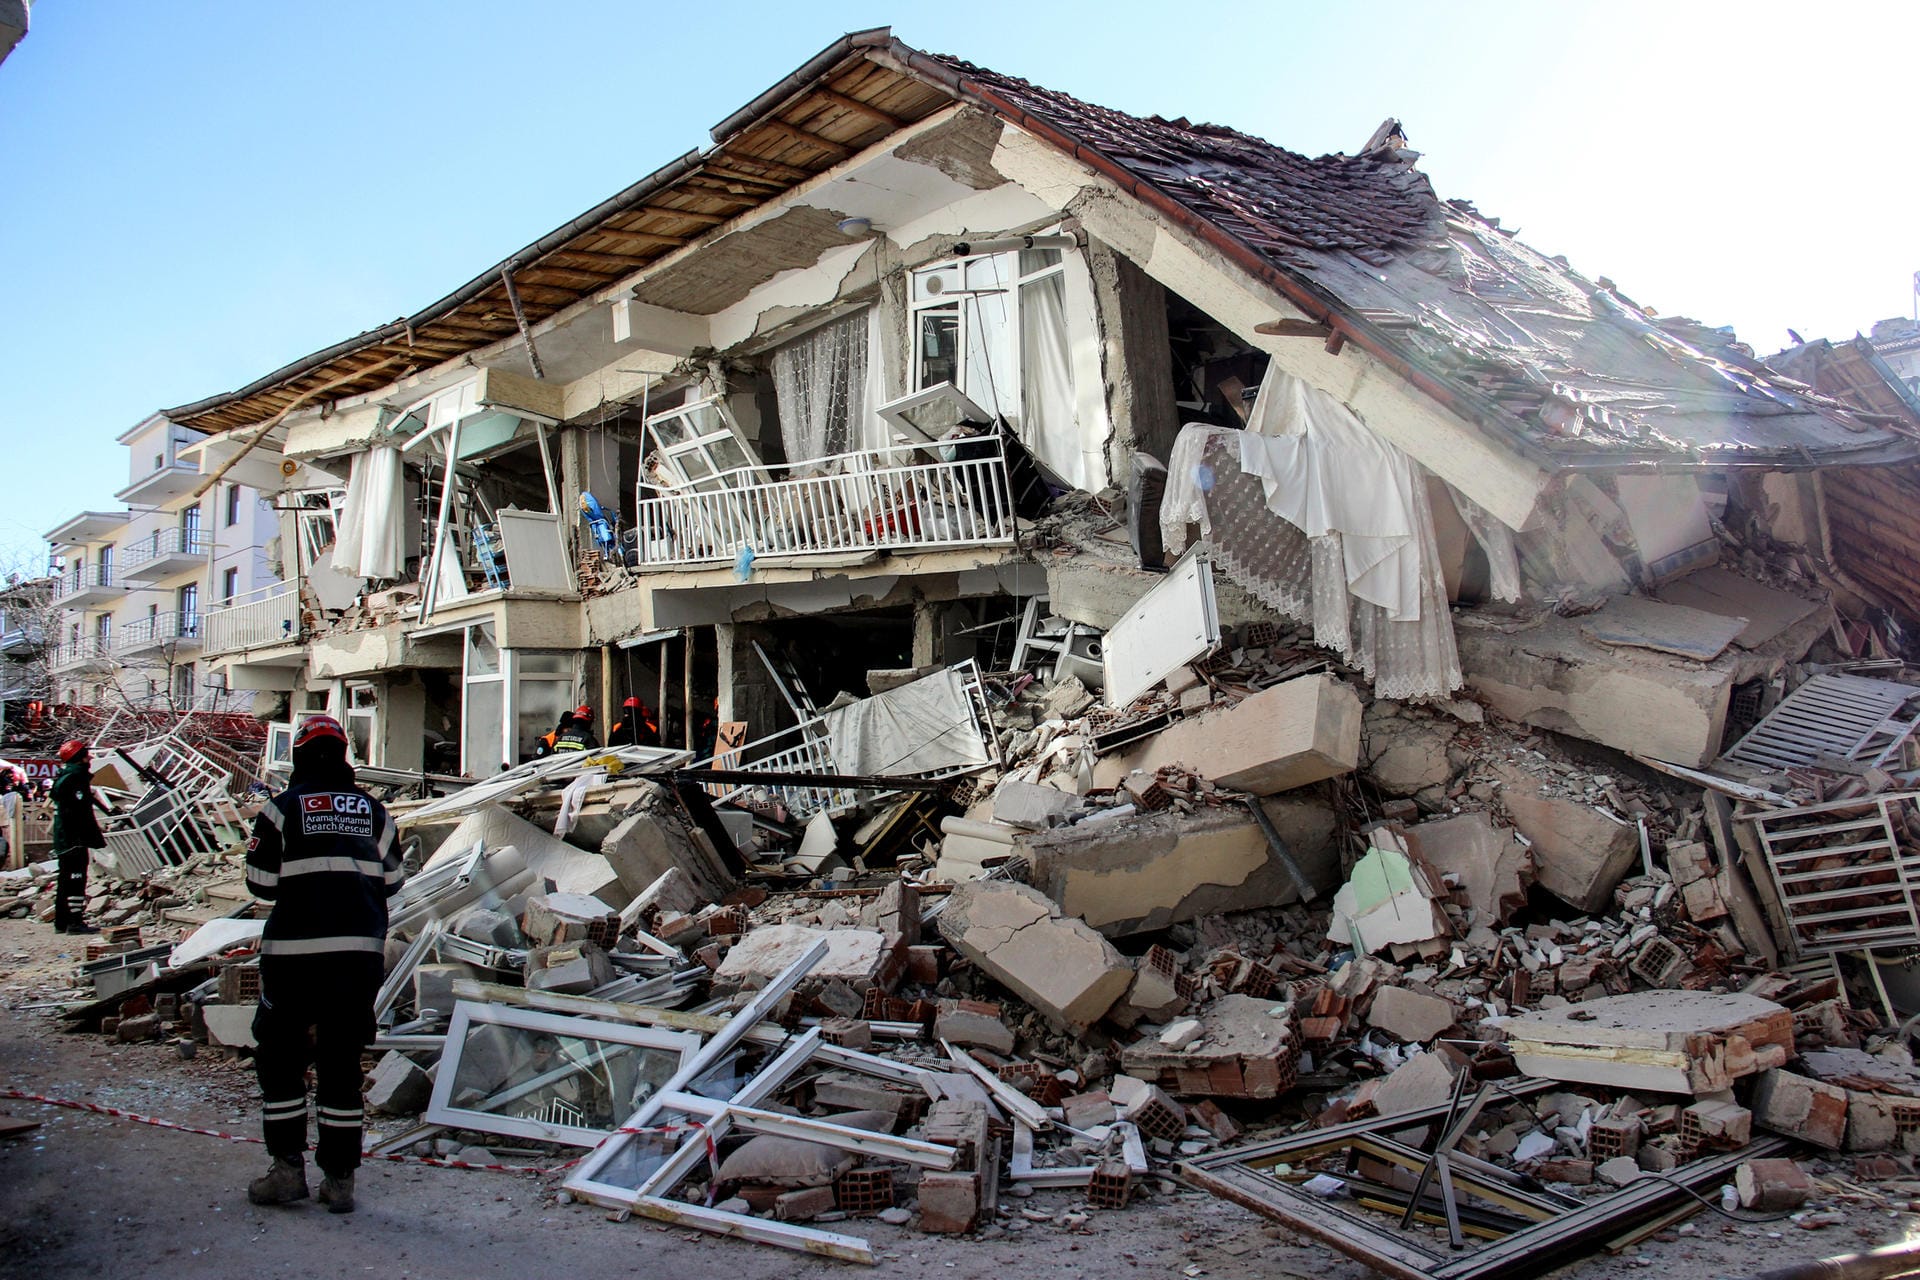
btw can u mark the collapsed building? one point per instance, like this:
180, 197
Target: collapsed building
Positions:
1303, 642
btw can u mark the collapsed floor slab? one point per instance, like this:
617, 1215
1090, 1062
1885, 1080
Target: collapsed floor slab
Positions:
1690, 1042
1294, 734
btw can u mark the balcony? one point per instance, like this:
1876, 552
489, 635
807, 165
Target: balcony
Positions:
21, 637
260, 618
166, 482
85, 586
90, 653
155, 633
903, 498
163, 552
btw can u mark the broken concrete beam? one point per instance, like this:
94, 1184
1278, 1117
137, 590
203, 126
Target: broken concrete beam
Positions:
1492, 868
397, 1086
1298, 732
1069, 973
1144, 873
1580, 854
1666, 1041
1410, 1016
1245, 1048
860, 958
1797, 1107
966, 1027
1550, 676
1772, 1186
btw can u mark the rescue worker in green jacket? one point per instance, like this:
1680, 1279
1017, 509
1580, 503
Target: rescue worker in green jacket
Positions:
76, 833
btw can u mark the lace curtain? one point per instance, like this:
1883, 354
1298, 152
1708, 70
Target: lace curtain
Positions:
1406, 646
820, 386
370, 539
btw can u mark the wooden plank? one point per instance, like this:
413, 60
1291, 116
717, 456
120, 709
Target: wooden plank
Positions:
855, 105
795, 134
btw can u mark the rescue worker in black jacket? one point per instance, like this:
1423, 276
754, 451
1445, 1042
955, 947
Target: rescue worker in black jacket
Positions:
326, 855
635, 728
577, 735
76, 833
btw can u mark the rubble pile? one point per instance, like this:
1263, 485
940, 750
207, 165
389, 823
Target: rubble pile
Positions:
1249, 912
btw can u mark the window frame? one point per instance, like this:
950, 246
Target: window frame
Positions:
1009, 284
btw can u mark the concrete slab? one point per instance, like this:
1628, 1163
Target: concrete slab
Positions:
1580, 854
1294, 734
856, 957
1059, 965
1144, 873
1493, 868
1688, 1042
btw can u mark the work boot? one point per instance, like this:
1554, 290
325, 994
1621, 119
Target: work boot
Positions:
336, 1193
284, 1183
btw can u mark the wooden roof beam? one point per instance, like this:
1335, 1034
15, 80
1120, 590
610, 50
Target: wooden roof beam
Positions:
601, 258
794, 133
774, 168
640, 238
858, 107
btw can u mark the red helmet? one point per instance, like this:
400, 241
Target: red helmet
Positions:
314, 728
72, 749
583, 712
631, 702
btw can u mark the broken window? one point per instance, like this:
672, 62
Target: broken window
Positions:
549, 1077
996, 326
697, 446
362, 720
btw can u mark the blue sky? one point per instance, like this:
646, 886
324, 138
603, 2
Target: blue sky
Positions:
195, 193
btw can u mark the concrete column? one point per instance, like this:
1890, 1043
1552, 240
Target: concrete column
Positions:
926, 632
1135, 359
747, 691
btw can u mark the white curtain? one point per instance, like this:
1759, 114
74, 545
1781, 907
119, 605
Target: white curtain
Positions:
1046, 380
1496, 540
820, 384
370, 540
1332, 529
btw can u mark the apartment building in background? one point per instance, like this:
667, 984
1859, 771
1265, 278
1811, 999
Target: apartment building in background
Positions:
133, 582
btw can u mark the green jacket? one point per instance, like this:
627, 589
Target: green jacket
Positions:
74, 825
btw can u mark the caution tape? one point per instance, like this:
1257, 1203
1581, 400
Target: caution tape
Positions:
135, 1117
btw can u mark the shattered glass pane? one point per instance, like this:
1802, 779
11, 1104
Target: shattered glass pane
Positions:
510, 1078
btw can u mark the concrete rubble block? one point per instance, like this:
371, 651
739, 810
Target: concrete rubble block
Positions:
1406, 753
1144, 873
1032, 805
1617, 1172
1296, 733
672, 892
567, 868
1491, 866
803, 1205
1880, 1122
949, 1202
896, 910
573, 969
1245, 1049
1550, 676
556, 918
1716, 1124
1772, 1185
1410, 1016
971, 1027
1424, 1080
1580, 854
1148, 1106
1690, 1042
230, 1024
655, 837
433, 986
856, 957
962, 1124
397, 1086
484, 924
1059, 965
1086, 1110
1153, 997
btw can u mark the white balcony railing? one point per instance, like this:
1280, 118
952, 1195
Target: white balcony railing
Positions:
162, 545
880, 500
85, 579
156, 630
85, 651
267, 615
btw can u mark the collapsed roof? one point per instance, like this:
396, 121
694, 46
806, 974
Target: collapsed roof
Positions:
1562, 369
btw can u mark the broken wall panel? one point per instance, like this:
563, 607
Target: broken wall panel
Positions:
1167, 628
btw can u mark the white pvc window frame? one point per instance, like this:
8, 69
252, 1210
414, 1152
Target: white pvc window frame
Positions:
696, 456
965, 287
467, 1014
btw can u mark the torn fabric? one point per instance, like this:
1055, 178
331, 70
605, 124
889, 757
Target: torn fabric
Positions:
370, 540
1306, 577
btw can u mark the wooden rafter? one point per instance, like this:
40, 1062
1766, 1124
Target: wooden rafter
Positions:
866, 109
796, 134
